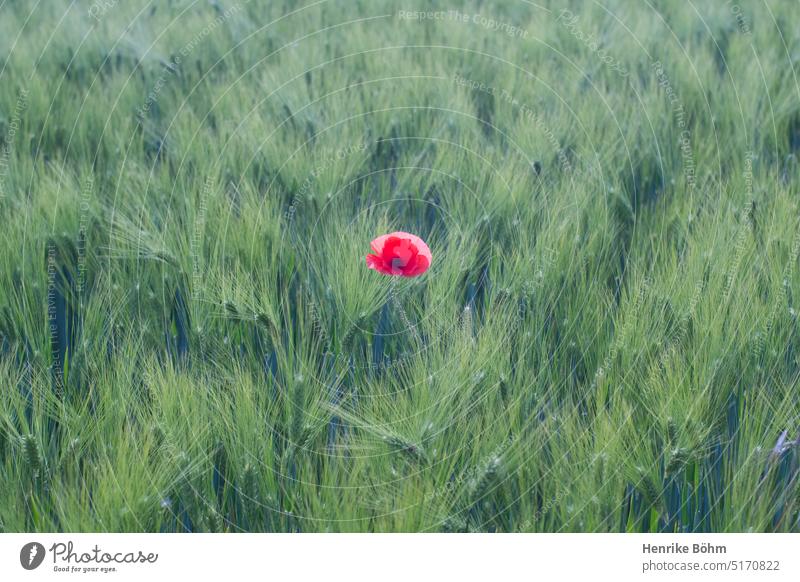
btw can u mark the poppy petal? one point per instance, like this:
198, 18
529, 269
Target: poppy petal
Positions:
374, 262
377, 244
419, 267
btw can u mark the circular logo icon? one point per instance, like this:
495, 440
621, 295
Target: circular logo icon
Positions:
31, 555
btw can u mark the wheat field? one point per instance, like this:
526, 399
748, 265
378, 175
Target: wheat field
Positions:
606, 339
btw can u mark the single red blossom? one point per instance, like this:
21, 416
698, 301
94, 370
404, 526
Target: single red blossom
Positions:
399, 253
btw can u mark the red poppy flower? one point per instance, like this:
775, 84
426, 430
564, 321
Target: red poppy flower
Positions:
401, 254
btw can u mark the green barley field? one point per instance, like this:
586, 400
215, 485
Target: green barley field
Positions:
607, 338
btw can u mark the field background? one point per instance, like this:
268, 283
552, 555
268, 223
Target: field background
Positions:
607, 339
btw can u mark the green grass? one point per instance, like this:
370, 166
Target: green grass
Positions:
607, 339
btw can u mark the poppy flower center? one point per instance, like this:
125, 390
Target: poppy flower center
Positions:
398, 263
